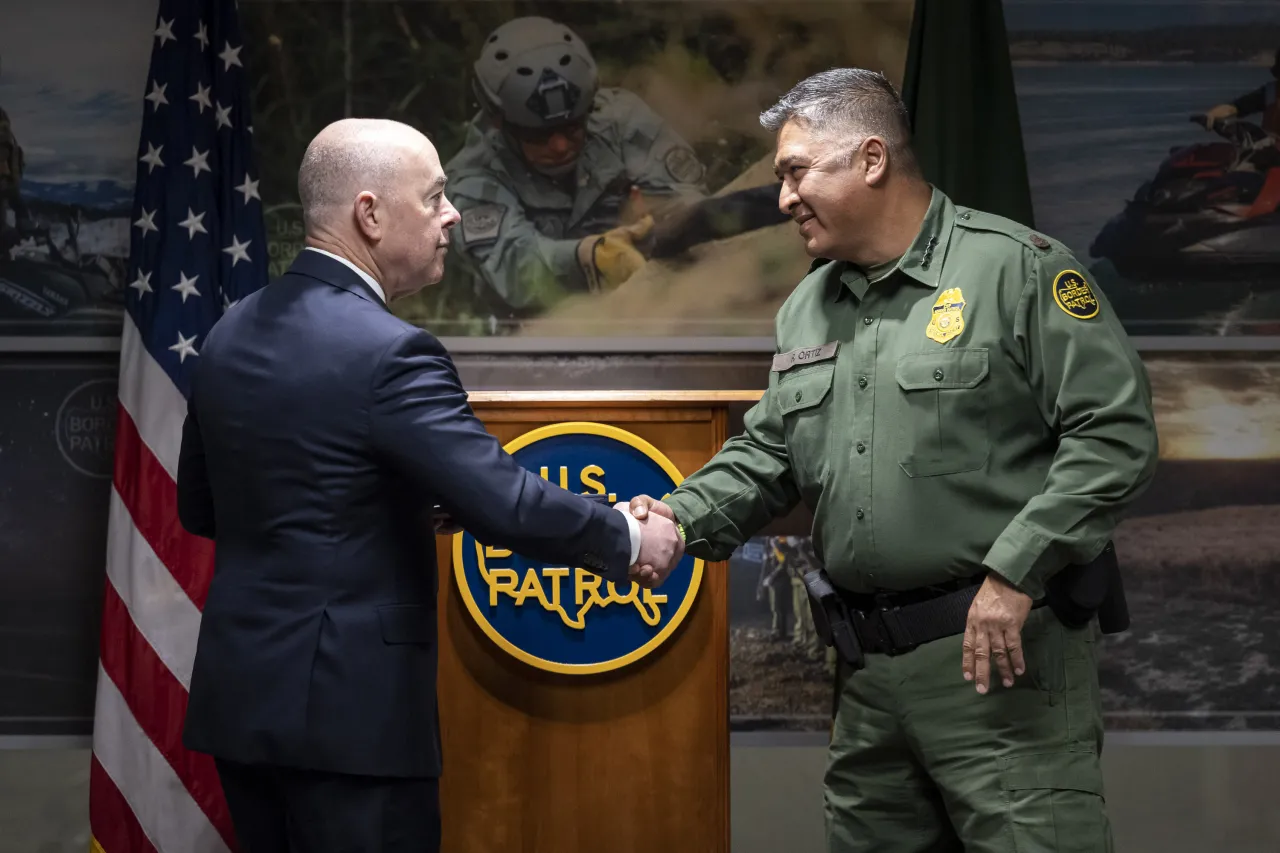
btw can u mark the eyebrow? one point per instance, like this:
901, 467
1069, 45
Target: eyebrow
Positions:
784, 163
439, 183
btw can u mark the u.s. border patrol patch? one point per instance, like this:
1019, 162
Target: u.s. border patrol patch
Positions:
482, 223
683, 165
1073, 295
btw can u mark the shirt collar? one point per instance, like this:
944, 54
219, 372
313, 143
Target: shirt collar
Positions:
368, 279
923, 258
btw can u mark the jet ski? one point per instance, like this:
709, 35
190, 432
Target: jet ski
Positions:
1212, 211
35, 286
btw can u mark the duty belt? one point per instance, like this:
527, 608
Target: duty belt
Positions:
893, 623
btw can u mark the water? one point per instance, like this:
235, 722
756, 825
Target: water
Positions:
1093, 134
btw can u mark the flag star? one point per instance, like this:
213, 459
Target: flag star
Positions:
228, 304
202, 36
230, 56
249, 188
142, 283
198, 161
238, 251
165, 31
251, 128
223, 115
201, 97
187, 286
184, 347
192, 224
147, 222
156, 97
152, 157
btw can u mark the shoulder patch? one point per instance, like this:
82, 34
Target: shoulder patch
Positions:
683, 165
482, 223
1074, 296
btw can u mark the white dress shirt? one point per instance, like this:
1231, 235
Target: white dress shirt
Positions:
368, 279
632, 524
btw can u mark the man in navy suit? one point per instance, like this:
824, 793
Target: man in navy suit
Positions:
321, 431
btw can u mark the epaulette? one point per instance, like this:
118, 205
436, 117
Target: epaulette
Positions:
978, 220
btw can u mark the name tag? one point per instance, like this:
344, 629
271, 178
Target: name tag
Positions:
807, 355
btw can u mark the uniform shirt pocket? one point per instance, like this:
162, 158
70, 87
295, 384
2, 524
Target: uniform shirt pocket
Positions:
944, 411
804, 402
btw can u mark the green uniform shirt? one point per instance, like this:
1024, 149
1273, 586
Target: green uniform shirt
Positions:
980, 406
520, 229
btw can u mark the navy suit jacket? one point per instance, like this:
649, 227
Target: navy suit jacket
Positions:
321, 430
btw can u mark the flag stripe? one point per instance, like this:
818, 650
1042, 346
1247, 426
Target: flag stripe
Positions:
154, 403
158, 705
151, 497
114, 828
160, 609
161, 804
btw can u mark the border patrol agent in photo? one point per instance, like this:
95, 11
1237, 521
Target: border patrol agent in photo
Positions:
960, 408
558, 178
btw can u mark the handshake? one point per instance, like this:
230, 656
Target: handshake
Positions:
661, 545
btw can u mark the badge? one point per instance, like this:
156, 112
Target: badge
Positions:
805, 355
482, 223
683, 165
948, 316
1073, 295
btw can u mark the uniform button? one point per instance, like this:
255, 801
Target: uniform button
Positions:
799, 396
964, 216
861, 447
862, 382
937, 374
867, 321
859, 512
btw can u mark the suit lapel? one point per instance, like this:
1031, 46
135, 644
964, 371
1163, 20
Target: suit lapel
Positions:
326, 269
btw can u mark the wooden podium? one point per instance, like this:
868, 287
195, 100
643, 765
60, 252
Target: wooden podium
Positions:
634, 760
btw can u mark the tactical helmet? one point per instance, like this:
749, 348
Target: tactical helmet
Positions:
536, 74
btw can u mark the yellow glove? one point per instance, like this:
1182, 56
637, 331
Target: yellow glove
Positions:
1218, 113
609, 259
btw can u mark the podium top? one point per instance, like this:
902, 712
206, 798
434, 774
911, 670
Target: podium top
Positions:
552, 397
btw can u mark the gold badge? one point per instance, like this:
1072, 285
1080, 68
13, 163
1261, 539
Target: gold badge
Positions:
1073, 295
948, 316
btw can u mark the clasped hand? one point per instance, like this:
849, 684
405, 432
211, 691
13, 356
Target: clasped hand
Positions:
661, 546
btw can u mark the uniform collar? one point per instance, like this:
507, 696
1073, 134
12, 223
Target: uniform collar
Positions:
923, 258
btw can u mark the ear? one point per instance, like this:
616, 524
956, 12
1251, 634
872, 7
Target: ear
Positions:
369, 216
875, 158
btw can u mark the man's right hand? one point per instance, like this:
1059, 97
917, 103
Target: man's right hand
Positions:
642, 505
609, 259
661, 546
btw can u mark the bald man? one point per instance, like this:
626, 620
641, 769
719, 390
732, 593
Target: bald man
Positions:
322, 430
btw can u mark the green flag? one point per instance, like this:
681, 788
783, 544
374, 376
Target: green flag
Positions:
959, 90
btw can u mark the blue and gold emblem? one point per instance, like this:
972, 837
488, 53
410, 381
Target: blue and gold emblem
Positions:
1073, 295
567, 619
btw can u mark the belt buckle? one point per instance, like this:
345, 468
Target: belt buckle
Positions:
887, 626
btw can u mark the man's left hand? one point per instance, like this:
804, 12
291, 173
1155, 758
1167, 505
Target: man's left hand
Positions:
994, 630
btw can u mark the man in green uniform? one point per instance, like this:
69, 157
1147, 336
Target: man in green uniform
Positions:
959, 407
772, 584
558, 178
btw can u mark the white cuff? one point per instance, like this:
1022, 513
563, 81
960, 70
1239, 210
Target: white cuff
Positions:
635, 533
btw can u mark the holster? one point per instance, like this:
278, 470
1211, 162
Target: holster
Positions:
1082, 591
831, 618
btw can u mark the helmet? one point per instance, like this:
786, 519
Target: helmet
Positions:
536, 74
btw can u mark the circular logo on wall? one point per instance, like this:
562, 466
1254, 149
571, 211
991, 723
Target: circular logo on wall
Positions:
567, 619
86, 428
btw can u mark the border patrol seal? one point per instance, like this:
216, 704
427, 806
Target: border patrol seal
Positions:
1074, 296
566, 619
482, 223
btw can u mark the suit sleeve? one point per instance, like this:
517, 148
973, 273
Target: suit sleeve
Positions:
423, 426
1094, 394
195, 498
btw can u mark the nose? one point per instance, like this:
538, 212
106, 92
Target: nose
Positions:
450, 217
788, 198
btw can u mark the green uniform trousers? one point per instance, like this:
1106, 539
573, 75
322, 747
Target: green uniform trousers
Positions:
920, 761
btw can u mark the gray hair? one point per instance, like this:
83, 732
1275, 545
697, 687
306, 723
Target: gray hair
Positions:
848, 105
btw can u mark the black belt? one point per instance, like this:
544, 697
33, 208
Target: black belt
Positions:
893, 623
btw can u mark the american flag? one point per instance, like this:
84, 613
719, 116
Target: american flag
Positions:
198, 246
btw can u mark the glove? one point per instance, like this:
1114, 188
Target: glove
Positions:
1218, 113
609, 259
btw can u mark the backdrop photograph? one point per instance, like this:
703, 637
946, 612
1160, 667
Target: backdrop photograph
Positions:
1151, 131
1199, 551
657, 105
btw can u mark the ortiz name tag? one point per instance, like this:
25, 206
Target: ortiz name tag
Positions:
806, 355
